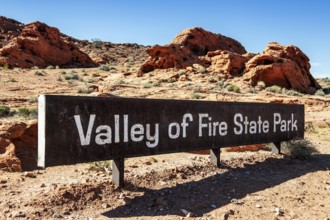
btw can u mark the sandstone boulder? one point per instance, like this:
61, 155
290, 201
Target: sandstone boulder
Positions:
200, 41
18, 146
285, 66
227, 62
171, 56
41, 45
187, 48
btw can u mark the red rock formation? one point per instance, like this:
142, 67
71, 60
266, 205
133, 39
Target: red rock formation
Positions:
164, 57
285, 66
200, 41
186, 48
18, 146
9, 28
41, 45
226, 62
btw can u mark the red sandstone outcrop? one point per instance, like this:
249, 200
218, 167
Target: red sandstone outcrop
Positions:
285, 66
41, 45
227, 62
200, 41
18, 146
186, 49
9, 28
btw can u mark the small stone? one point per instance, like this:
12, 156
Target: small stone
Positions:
121, 196
3, 181
29, 174
57, 215
43, 185
279, 212
213, 206
19, 214
187, 213
105, 205
258, 206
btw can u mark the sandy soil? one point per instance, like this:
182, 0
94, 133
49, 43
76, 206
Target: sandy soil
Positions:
249, 185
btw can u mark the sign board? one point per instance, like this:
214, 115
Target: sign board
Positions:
83, 129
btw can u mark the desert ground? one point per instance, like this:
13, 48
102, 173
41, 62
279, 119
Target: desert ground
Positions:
249, 185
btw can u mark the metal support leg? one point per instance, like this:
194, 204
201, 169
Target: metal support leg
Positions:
118, 172
215, 156
276, 149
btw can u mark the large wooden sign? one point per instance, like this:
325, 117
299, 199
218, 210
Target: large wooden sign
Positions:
82, 129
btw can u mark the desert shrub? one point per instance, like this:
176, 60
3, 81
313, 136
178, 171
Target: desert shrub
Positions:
4, 111
252, 90
101, 166
233, 88
196, 96
97, 43
50, 67
90, 80
301, 149
95, 74
59, 78
211, 80
39, 73
147, 85
71, 76
320, 92
33, 100
104, 68
274, 89
10, 80
293, 93
85, 90
261, 85
120, 82
28, 112
6, 66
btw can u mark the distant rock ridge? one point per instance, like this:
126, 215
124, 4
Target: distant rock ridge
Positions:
41, 45
285, 66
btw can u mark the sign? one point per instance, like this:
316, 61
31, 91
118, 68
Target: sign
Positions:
83, 129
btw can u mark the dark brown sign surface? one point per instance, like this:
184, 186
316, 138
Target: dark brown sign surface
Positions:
82, 129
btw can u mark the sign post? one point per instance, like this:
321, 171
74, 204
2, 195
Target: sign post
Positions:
84, 129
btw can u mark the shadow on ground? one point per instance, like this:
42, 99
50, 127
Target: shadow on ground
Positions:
207, 194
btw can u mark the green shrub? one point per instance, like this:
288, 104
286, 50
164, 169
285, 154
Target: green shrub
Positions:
252, 90
211, 80
59, 78
293, 93
104, 68
4, 111
10, 80
85, 90
147, 85
300, 149
97, 43
90, 80
71, 76
233, 88
27, 112
261, 85
39, 73
101, 166
196, 96
274, 89
320, 92
95, 74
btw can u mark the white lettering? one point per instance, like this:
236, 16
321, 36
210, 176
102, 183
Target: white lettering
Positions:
85, 139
